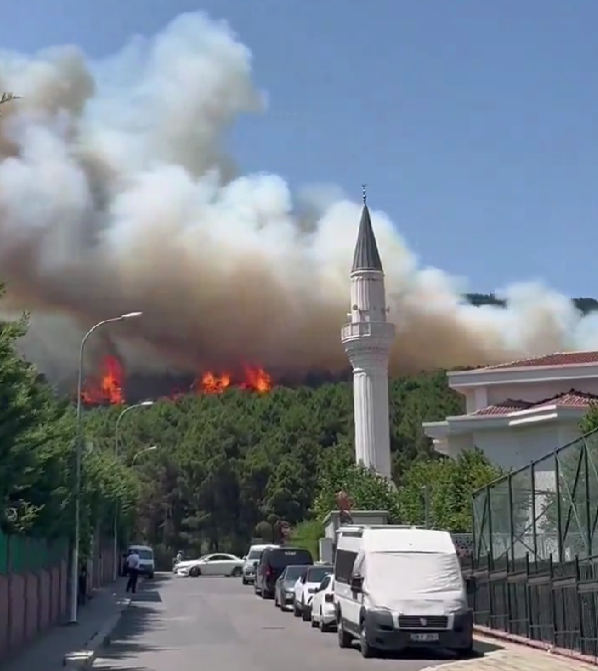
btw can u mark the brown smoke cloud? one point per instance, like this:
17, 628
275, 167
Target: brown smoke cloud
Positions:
116, 195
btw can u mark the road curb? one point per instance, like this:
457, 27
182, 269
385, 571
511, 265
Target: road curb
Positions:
537, 645
84, 659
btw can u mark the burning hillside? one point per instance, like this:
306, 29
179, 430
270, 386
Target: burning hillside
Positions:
111, 386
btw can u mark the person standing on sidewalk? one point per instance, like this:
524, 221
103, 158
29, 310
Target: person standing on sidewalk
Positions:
132, 570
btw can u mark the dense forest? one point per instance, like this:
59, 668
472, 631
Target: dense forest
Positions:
225, 467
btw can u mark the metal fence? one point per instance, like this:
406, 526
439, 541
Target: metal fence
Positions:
535, 555
33, 589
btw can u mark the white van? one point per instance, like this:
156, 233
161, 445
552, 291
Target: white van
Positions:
147, 564
398, 587
252, 559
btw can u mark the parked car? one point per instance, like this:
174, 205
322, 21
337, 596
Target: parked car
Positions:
147, 565
273, 562
252, 559
306, 587
323, 613
284, 590
213, 564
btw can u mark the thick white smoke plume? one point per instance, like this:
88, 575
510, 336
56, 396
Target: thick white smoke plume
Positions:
116, 195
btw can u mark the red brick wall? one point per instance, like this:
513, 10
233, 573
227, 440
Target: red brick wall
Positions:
31, 603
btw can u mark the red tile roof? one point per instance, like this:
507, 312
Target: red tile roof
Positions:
568, 399
557, 359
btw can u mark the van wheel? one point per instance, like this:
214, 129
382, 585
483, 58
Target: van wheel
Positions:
150, 576
344, 638
466, 653
296, 610
367, 651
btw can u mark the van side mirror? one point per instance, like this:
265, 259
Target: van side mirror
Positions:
471, 585
356, 583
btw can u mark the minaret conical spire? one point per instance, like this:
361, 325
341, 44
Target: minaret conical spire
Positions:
366, 256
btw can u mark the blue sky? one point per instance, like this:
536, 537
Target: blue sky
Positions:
474, 123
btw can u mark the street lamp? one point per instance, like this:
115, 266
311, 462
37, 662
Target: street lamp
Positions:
115, 562
78, 459
143, 451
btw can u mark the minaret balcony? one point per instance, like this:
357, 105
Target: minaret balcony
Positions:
364, 330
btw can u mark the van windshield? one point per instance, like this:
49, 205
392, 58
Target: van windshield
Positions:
255, 554
145, 554
417, 575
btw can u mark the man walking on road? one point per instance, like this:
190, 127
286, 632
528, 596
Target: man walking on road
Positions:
132, 570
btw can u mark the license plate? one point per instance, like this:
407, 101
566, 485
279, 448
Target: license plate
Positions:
424, 638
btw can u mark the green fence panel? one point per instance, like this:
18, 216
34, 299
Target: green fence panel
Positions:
21, 554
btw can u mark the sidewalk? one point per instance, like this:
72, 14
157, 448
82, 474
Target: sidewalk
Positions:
47, 653
512, 657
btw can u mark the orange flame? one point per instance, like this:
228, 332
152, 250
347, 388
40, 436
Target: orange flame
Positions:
254, 379
107, 387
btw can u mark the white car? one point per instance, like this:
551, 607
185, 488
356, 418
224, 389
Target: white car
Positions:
214, 564
323, 613
252, 559
306, 587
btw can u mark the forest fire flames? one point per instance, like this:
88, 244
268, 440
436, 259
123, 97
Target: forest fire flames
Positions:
108, 387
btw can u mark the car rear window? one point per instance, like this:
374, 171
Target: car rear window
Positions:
283, 558
318, 573
294, 572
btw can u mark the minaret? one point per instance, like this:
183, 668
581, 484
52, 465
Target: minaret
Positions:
367, 340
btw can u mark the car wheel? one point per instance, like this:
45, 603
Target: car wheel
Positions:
314, 622
367, 651
305, 614
195, 571
237, 571
150, 576
344, 639
296, 610
244, 581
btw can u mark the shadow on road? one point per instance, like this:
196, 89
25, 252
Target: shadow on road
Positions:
481, 649
139, 619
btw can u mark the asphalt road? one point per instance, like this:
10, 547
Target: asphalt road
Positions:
217, 624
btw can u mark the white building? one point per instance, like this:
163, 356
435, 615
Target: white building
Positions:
367, 340
518, 412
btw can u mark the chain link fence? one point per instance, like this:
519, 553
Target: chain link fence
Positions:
535, 555
548, 509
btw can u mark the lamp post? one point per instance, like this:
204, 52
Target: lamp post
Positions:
143, 451
78, 459
115, 561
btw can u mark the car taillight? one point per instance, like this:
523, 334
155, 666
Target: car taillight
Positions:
268, 572
329, 598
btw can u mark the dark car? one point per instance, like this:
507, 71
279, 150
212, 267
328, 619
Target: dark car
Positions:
273, 562
284, 588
